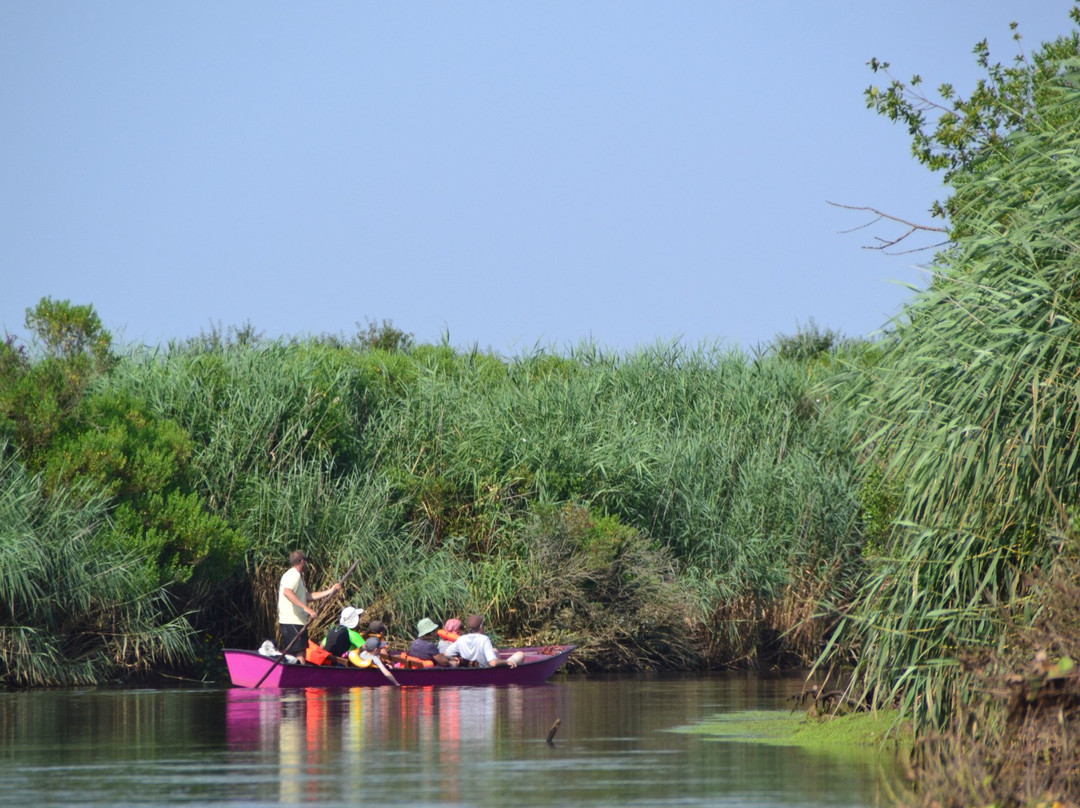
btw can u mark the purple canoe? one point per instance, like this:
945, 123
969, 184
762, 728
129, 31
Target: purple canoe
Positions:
246, 668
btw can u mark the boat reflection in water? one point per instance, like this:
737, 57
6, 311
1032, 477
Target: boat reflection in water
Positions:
325, 739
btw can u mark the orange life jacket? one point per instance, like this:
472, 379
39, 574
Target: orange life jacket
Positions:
449, 636
317, 655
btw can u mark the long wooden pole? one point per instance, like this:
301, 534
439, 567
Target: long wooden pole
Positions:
288, 647
382, 666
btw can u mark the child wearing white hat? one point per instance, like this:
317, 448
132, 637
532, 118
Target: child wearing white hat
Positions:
343, 637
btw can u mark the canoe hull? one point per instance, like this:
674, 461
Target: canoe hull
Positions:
246, 668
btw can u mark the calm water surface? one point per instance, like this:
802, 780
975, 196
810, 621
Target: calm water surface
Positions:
414, 746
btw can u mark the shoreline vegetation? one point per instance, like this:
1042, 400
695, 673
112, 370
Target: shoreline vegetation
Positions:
668, 509
900, 512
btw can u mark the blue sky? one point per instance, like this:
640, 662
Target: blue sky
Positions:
511, 175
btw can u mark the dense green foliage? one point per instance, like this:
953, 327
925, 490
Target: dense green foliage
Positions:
972, 128
75, 608
665, 508
973, 413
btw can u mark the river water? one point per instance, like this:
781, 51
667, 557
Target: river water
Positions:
416, 746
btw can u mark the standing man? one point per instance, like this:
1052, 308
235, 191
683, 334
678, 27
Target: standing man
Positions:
293, 609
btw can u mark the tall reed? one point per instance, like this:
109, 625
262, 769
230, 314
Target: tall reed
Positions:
976, 413
429, 465
733, 466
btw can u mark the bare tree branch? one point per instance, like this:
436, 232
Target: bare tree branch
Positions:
885, 243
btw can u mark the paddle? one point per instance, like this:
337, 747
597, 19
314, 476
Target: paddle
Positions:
288, 647
376, 657
379, 663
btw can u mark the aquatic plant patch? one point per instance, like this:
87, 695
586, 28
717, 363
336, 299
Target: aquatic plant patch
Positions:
854, 732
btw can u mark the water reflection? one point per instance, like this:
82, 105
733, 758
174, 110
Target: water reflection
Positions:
314, 730
456, 746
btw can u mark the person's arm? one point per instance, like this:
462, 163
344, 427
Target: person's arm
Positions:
292, 596
492, 656
325, 593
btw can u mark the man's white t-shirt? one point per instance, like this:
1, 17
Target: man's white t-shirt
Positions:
288, 612
473, 648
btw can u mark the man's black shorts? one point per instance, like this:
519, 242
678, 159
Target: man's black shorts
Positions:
289, 642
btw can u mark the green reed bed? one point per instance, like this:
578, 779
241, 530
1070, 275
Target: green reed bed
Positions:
717, 461
259, 407
975, 417
664, 508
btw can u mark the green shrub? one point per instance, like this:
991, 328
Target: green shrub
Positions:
73, 608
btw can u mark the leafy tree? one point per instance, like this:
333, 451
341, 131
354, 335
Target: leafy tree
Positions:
33, 400
807, 343
951, 131
108, 446
383, 336
114, 446
68, 331
36, 396
181, 541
